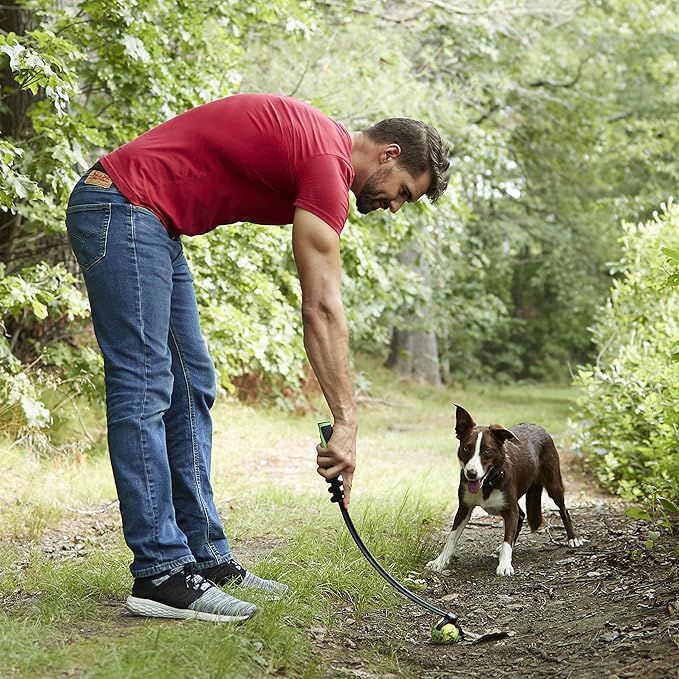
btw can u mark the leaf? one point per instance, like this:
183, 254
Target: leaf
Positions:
668, 504
13, 52
671, 252
638, 513
136, 49
39, 309
488, 635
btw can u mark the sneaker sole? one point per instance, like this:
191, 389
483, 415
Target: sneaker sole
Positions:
153, 609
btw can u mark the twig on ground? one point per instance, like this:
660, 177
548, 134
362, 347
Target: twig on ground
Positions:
90, 512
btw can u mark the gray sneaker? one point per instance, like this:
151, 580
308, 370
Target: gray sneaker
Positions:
232, 573
186, 595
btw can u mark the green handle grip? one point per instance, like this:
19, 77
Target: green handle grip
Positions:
336, 490
325, 432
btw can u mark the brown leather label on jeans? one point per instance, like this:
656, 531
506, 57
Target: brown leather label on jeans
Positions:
97, 178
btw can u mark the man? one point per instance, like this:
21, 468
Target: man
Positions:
247, 158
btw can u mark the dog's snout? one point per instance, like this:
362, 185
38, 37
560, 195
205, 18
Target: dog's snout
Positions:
471, 474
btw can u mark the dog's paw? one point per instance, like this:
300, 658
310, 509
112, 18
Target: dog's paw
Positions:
505, 569
576, 542
436, 565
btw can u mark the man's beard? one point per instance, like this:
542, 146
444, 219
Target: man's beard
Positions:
367, 200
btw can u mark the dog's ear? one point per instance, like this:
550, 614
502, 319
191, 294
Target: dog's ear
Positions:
502, 434
463, 421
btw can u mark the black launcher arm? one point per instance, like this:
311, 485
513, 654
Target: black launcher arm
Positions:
337, 495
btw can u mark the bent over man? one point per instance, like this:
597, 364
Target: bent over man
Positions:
256, 158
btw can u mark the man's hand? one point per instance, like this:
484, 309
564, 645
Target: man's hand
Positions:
339, 457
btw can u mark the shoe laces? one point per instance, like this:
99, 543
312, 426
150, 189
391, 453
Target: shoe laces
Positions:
195, 580
237, 566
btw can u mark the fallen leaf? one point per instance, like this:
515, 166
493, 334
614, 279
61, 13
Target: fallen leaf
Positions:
610, 636
488, 635
449, 597
318, 633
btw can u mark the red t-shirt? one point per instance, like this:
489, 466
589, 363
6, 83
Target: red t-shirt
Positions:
248, 157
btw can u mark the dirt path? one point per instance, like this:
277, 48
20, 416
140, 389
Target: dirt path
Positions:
608, 609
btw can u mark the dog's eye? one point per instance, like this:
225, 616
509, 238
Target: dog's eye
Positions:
487, 452
465, 449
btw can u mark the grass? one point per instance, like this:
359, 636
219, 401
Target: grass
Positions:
62, 614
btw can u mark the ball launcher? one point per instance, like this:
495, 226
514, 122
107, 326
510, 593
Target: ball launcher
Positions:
447, 628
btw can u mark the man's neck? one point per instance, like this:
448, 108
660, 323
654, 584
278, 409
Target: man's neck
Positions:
360, 160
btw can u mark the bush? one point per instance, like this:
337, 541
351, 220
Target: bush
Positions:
40, 367
630, 397
249, 299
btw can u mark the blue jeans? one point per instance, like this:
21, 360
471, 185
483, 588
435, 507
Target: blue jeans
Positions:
160, 380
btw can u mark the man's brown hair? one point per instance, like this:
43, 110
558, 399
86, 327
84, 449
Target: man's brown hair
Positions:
422, 149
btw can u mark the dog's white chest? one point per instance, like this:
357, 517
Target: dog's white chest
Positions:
495, 503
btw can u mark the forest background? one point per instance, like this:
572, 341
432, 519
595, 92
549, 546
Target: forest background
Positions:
552, 258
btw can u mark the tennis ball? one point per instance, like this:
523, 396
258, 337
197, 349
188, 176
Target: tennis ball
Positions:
445, 632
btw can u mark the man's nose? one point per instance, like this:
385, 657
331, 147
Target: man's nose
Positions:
395, 205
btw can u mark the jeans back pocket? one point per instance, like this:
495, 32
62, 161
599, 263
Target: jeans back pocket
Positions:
87, 227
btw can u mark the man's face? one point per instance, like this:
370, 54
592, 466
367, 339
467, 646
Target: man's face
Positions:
389, 187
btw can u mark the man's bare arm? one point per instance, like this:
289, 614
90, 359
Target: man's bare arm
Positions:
326, 339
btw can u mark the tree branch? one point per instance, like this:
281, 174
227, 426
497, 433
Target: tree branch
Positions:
568, 83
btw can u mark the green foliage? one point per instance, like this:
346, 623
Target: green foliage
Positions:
629, 406
559, 153
377, 289
249, 299
37, 61
663, 510
33, 303
15, 186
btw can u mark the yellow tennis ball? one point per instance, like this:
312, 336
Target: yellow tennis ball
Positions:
445, 632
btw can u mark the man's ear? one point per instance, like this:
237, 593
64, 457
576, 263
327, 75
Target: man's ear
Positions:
390, 152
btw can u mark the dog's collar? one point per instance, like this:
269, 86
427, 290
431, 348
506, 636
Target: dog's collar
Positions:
493, 479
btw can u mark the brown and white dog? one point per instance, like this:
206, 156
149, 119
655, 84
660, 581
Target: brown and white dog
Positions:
499, 466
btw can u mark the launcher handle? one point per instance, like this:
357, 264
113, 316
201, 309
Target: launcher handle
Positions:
336, 489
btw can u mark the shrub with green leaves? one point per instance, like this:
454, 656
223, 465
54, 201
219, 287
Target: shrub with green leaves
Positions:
33, 304
630, 396
249, 299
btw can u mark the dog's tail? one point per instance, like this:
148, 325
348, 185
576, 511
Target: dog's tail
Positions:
534, 506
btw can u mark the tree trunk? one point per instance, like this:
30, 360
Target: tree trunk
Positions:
14, 121
414, 354
414, 348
